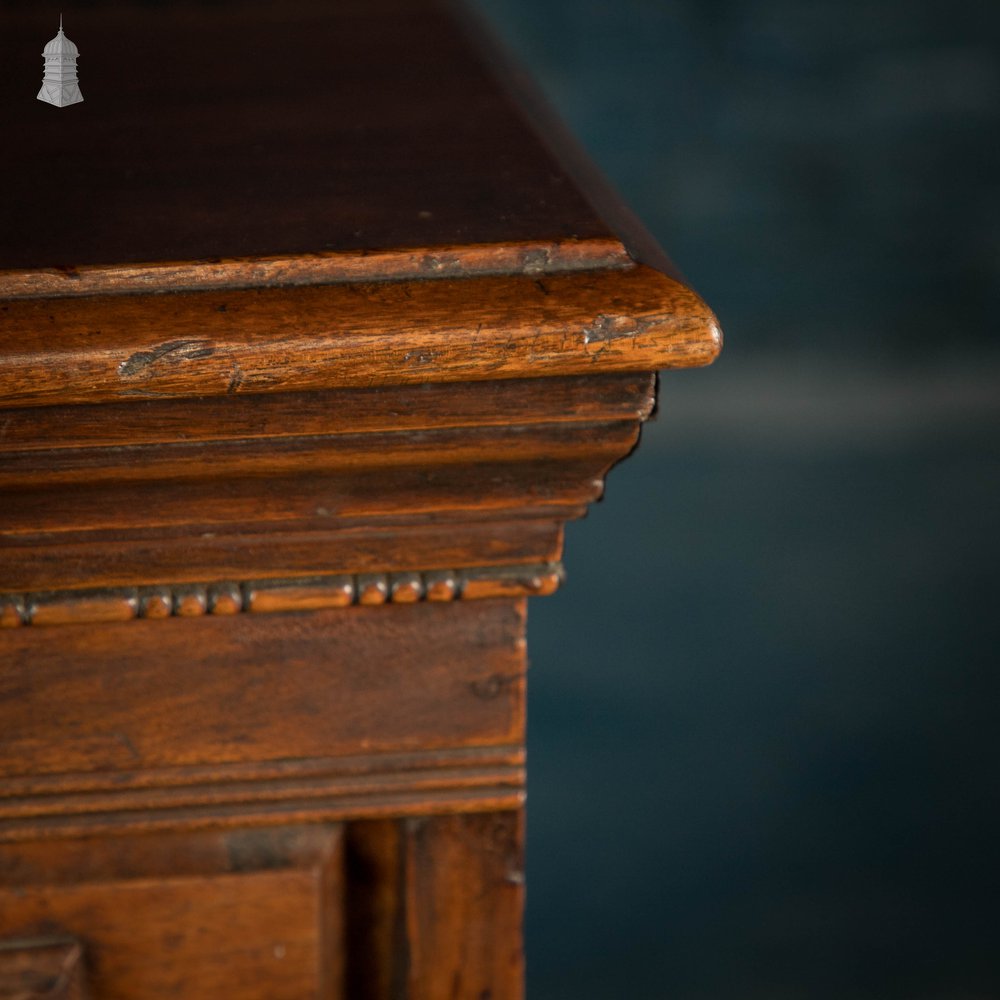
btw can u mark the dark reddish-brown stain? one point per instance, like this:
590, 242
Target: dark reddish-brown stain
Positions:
304, 365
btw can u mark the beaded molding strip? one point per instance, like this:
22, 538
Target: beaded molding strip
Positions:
188, 600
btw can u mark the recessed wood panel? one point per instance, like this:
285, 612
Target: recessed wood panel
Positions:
254, 916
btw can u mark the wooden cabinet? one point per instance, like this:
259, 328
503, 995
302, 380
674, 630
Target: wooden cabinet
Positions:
307, 354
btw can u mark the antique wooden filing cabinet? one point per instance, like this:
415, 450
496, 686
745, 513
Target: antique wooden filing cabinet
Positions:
314, 332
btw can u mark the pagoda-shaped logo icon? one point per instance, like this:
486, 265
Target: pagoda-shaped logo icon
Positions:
59, 86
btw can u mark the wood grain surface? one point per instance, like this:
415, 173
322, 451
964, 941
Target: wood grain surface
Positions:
434, 907
222, 689
255, 915
274, 416
277, 340
279, 486
116, 559
293, 129
48, 967
531, 257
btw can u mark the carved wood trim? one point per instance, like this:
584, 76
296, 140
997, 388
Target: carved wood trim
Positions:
302, 790
264, 596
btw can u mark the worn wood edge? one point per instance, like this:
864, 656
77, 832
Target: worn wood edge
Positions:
533, 257
325, 337
382, 805
555, 136
553, 133
74, 607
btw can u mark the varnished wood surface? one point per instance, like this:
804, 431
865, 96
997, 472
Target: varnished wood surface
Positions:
421, 908
192, 600
310, 791
436, 906
113, 559
549, 127
276, 486
307, 353
277, 340
342, 455
293, 128
530, 257
221, 689
255, 915
274, 416
42, 968
464, 896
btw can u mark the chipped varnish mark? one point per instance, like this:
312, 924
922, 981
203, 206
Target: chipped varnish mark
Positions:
173, 350
236, 379
606, 328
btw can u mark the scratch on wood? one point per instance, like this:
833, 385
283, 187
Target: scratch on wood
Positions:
127, 743
607, 328
181, 350
415, 358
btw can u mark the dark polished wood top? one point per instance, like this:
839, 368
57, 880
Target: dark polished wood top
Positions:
234, 152
245, 129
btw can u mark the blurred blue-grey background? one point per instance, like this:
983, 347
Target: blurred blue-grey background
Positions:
765, 708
